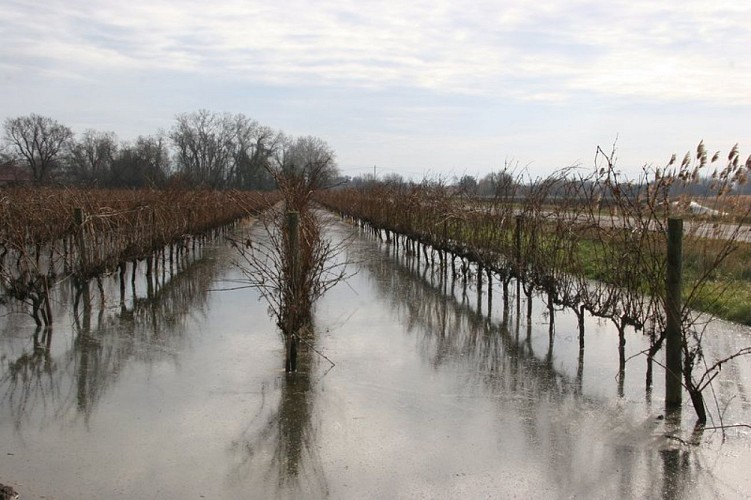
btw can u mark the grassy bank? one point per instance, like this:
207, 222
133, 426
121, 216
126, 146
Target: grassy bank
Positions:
723, 291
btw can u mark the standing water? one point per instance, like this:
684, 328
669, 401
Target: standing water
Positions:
435, 392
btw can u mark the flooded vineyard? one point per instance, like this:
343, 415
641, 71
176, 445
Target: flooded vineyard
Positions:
416, 386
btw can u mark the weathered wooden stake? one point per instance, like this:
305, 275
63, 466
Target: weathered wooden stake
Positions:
121, 270
518, 255
580, 321
479, 280
489, 273
293, 233
293, 237
80, 241
673, 337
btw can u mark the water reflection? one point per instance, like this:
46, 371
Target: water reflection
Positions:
451, 329
51, 383
430, 397
278, 454
586, 444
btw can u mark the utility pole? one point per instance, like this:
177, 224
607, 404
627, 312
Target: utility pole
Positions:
375, 176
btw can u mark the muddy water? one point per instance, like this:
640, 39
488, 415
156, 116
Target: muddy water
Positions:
436, 392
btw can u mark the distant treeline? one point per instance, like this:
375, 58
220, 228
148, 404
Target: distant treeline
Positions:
202, 149
489, 186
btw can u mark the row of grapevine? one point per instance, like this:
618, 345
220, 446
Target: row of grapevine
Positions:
523, 238
49, 234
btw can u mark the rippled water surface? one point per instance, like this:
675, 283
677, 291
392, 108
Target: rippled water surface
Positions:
436, 392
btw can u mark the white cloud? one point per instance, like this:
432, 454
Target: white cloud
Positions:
677, 50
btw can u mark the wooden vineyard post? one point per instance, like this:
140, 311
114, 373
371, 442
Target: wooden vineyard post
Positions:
518, 257
293, 233
673, 336
82, 281
293, 239
479, 288
80, 241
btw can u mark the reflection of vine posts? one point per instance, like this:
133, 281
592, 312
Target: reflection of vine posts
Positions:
49, 389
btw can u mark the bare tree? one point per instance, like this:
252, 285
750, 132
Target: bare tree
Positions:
92, 156
302, 166
144, 163
467, 184
254, 148
204, 143
39, 141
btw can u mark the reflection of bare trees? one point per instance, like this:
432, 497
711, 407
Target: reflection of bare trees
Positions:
43, 386
277, 454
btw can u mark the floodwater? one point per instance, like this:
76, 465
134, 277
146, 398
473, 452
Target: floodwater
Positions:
431, 391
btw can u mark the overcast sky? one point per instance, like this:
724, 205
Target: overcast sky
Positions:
438, 88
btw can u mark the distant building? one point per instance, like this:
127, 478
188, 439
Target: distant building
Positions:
12, 174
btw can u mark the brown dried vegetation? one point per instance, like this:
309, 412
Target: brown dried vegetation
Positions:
41, 242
